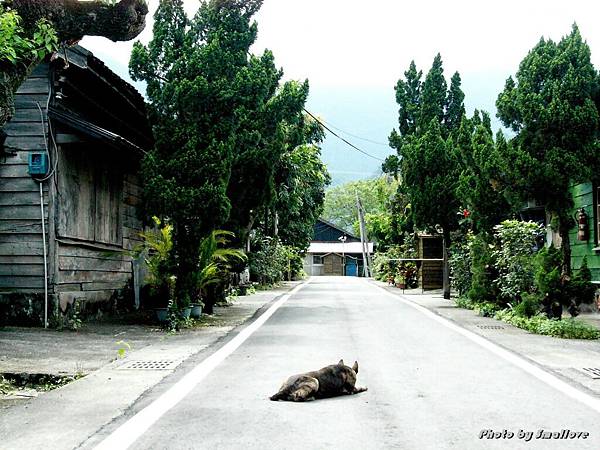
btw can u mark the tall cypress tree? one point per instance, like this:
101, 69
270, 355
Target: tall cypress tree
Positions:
551, 106
201, 84
433, 96
429, 115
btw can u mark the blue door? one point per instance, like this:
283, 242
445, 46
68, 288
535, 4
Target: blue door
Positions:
351, 268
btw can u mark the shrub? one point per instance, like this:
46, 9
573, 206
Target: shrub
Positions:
271, 262
517, 243
528, 307
539, 324
460, 266
387, 268
482, 264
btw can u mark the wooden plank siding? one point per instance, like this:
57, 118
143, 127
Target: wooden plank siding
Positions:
21, 248
583, 197
93, 270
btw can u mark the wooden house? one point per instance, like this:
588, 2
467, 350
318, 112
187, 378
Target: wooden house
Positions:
328, 255
587, 244
89, 127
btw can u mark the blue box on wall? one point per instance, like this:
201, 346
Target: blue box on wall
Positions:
38, 163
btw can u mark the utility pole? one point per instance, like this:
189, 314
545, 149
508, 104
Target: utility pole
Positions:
363, 239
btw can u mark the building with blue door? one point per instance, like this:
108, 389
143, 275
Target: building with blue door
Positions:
334, 251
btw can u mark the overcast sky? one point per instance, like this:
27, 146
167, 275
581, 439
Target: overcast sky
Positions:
354, 51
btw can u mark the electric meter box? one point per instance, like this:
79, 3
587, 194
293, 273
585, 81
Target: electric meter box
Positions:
38, 163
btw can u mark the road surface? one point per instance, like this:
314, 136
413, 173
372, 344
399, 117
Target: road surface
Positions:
430, 387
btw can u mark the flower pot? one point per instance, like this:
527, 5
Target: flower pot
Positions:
401, 285
184, 313
196, 311
162, 314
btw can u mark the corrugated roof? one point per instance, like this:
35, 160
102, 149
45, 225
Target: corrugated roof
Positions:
337, 247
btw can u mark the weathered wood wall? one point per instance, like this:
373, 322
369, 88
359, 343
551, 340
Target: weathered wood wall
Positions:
96, 221
432, 272
21, 249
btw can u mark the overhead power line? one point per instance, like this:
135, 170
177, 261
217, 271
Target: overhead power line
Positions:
341, 138
355, 136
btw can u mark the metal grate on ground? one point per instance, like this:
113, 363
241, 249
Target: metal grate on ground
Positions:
491, 327
593, 372
163, 364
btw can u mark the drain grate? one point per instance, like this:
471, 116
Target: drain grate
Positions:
150, 365
593, 372
491, 327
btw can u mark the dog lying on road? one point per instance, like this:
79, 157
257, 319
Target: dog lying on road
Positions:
330, 381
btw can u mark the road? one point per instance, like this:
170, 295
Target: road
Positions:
430, 387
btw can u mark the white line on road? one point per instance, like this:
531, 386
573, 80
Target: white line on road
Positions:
523, 364
130, 431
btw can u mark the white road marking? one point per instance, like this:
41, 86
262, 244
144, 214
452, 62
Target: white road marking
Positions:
130, 431
532, 369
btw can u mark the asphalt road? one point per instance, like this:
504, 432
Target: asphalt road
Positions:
430, 387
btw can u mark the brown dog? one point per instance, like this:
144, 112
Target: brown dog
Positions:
330, 381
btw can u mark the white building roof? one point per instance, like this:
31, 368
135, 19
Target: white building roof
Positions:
322, 248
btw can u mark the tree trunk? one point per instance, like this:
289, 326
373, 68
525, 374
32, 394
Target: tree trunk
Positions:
446, 275
73, 19
564, 226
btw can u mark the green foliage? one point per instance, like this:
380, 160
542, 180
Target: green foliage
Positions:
484, 309
16, 46
155, 248
375, 196
385, 269
272, 262
460, 265
538, 324
547, 264
478, 188
482, 268
528, 307
429, 117
213, 106
301, 180
581, 288
552, 107
124, 347
513, 256
215, 261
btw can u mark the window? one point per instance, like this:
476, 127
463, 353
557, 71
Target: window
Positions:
89, 192
317, 259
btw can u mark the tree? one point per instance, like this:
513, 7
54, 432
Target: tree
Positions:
479, 190
429, 118
551, 106
30, 29
262, 140
302, 179
202, 85
340, 201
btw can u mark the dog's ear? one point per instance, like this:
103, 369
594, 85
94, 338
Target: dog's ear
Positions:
341, 363
355, 366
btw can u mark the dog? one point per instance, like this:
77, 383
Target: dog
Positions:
331, 381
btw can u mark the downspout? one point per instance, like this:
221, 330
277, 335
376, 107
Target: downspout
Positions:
45, 256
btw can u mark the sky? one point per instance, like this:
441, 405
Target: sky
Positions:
354, 51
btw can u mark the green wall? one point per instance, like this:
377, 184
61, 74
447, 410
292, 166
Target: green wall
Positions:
583, 196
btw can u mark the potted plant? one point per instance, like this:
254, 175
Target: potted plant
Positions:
196, 309
214, 261
400, 281
155, 248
